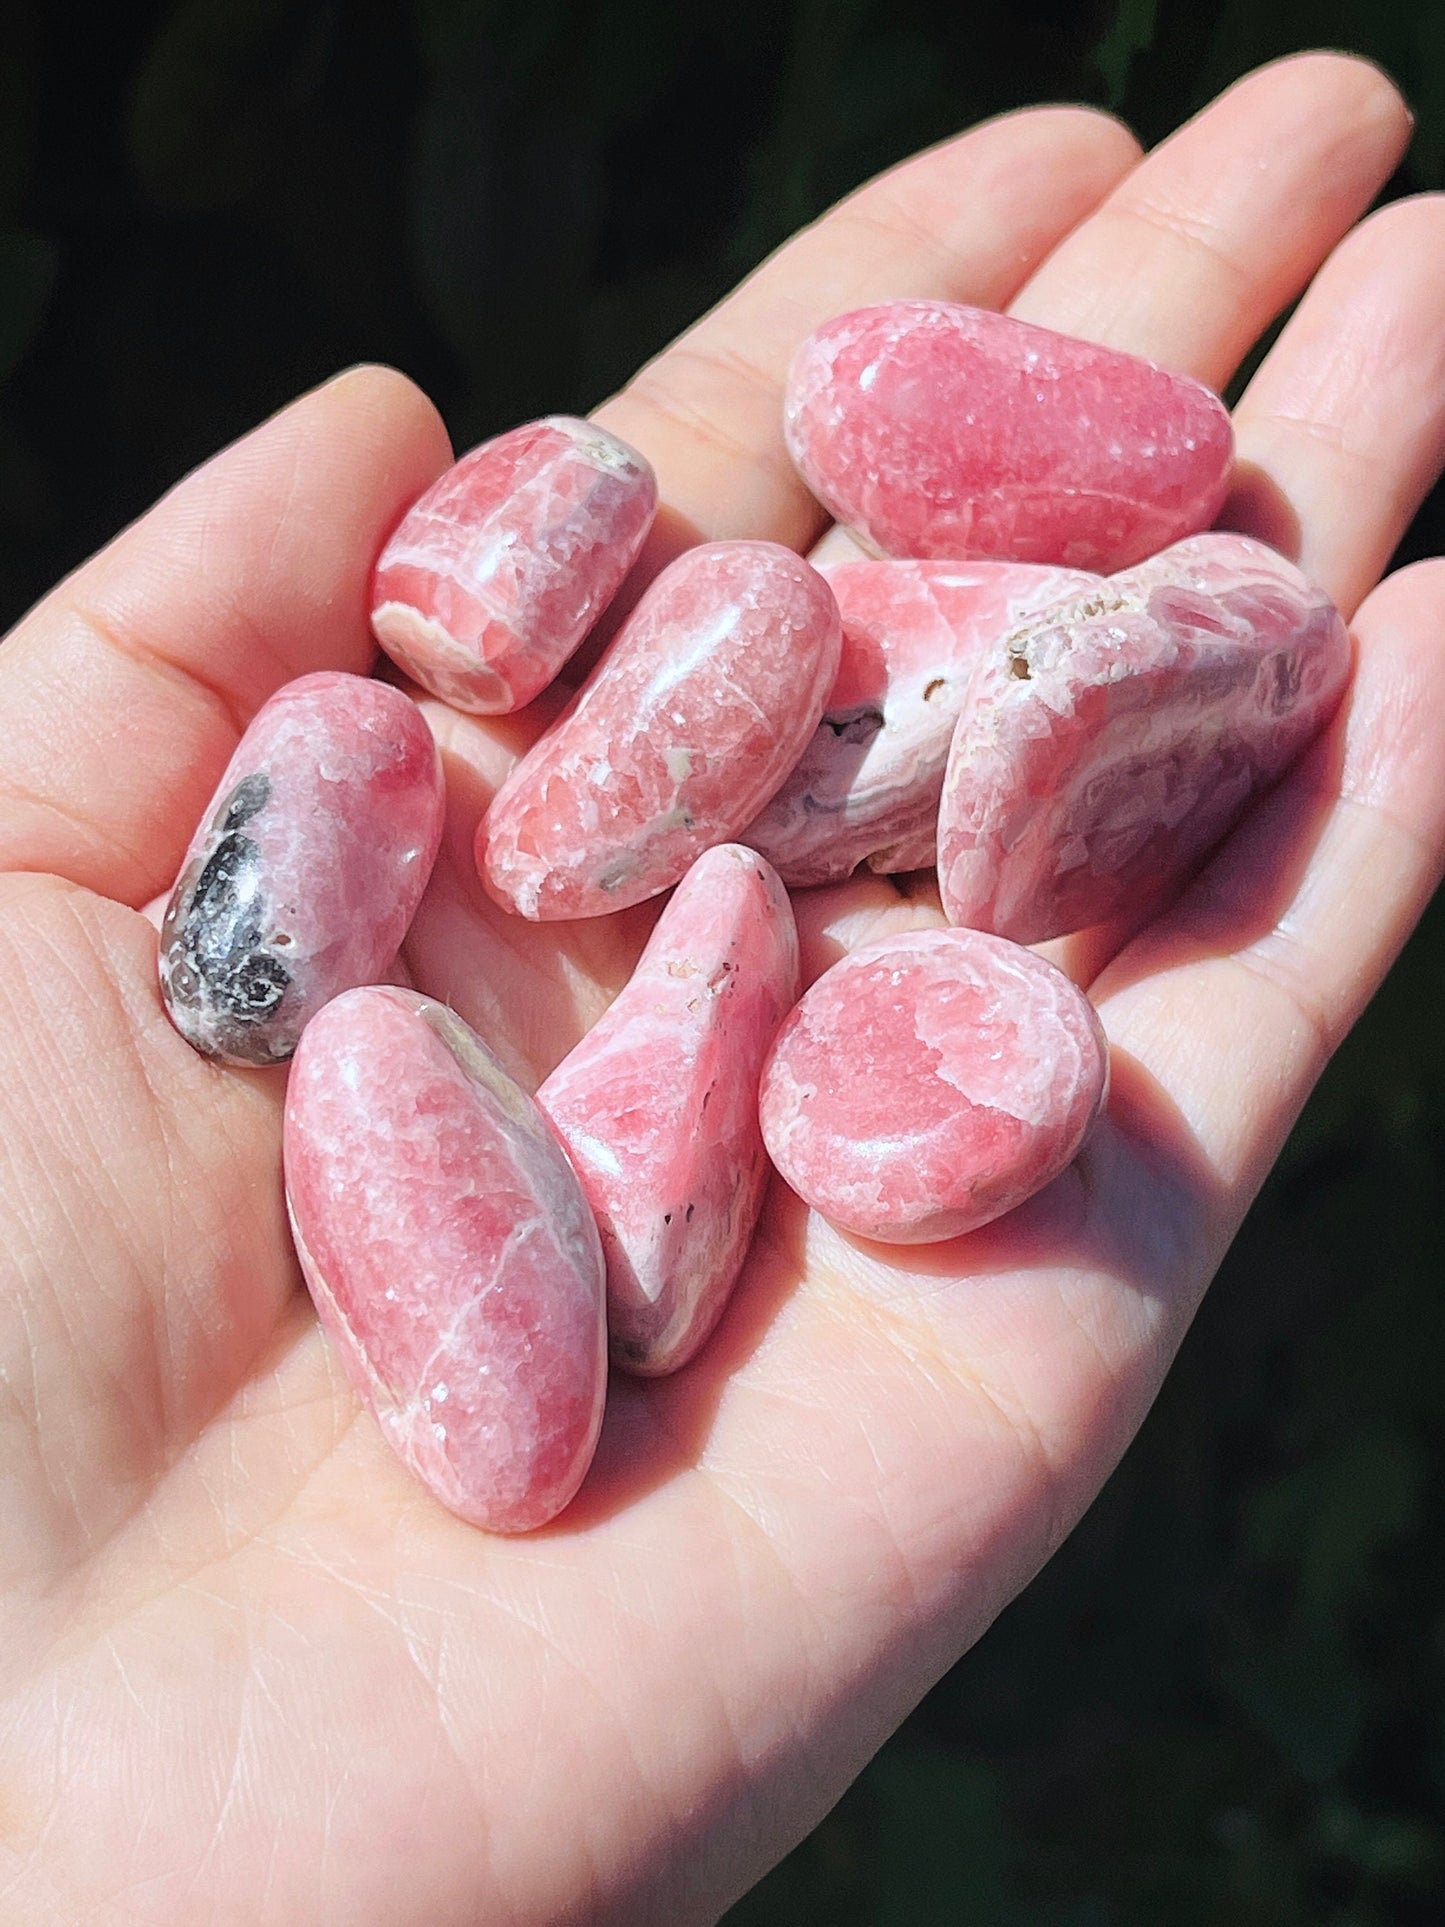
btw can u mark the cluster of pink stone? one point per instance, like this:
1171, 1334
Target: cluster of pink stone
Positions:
1045, 679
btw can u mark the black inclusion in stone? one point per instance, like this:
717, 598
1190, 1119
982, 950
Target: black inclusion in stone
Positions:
224, 923
249, 796
256, 986
217, 957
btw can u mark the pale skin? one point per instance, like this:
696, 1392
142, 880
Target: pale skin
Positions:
249, 1671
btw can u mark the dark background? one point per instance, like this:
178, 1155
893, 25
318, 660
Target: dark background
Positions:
1225, 1700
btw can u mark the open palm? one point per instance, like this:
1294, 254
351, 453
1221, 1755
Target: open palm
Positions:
249, 1671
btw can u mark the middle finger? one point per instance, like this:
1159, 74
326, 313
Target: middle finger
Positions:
1196, 251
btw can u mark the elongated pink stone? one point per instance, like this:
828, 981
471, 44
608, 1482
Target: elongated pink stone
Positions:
937, 430
690, 722
930, 1082
1107, 746
495, 575
867, 787
451, 1255
307, 868
659, 1105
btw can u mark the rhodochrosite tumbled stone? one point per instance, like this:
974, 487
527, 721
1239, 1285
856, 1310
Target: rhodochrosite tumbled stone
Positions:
867, 787
690, 722
495, 575
1106, 746
450, 1253
937, 430
307, 868
930, 1082
659, 1105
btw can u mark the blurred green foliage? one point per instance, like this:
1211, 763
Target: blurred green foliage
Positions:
1225, 1699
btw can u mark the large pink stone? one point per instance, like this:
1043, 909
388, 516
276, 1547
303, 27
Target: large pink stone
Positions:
307, 868
937, 430
867, 787
495, 575
930, 1082
450, 1253
1106, 747
690, 722
659, 1105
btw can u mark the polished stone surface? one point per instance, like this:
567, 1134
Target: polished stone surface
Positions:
943, 431
307, 868
930, 1082
1106, 747
658, 1105
498, 571
451, 1255
690, 722
867, 787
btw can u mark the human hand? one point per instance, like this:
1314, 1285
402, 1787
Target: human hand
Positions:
250, 1671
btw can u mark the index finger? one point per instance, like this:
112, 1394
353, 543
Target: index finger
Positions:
123, 693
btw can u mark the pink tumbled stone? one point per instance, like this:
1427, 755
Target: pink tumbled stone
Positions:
867, 787
930, 1082
690, 722
451, 1255
1104, 748
937, 430
307, 868
495, 575
659, 1105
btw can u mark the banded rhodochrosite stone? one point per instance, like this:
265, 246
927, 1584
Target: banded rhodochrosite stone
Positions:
867, 787
930, 1082
937, 430
451, 1255
1105, 747
496, 574
659, 1105
307, 868
687, 726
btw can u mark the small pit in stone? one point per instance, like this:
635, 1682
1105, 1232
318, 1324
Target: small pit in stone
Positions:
857, 725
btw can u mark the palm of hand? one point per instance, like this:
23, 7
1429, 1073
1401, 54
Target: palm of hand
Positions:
249, 1667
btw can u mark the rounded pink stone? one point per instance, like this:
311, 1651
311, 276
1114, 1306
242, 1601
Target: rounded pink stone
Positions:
451, 1255
494, 576
307, 868
690, 722
659, 1105
867, 786
1104, 748
930, 1082
937, 430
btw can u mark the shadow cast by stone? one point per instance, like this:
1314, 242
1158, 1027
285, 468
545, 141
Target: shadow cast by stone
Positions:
1140, 1207
670, 535
1139, 1197
1257, 506
1247, 884
656, 1429
529, 989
